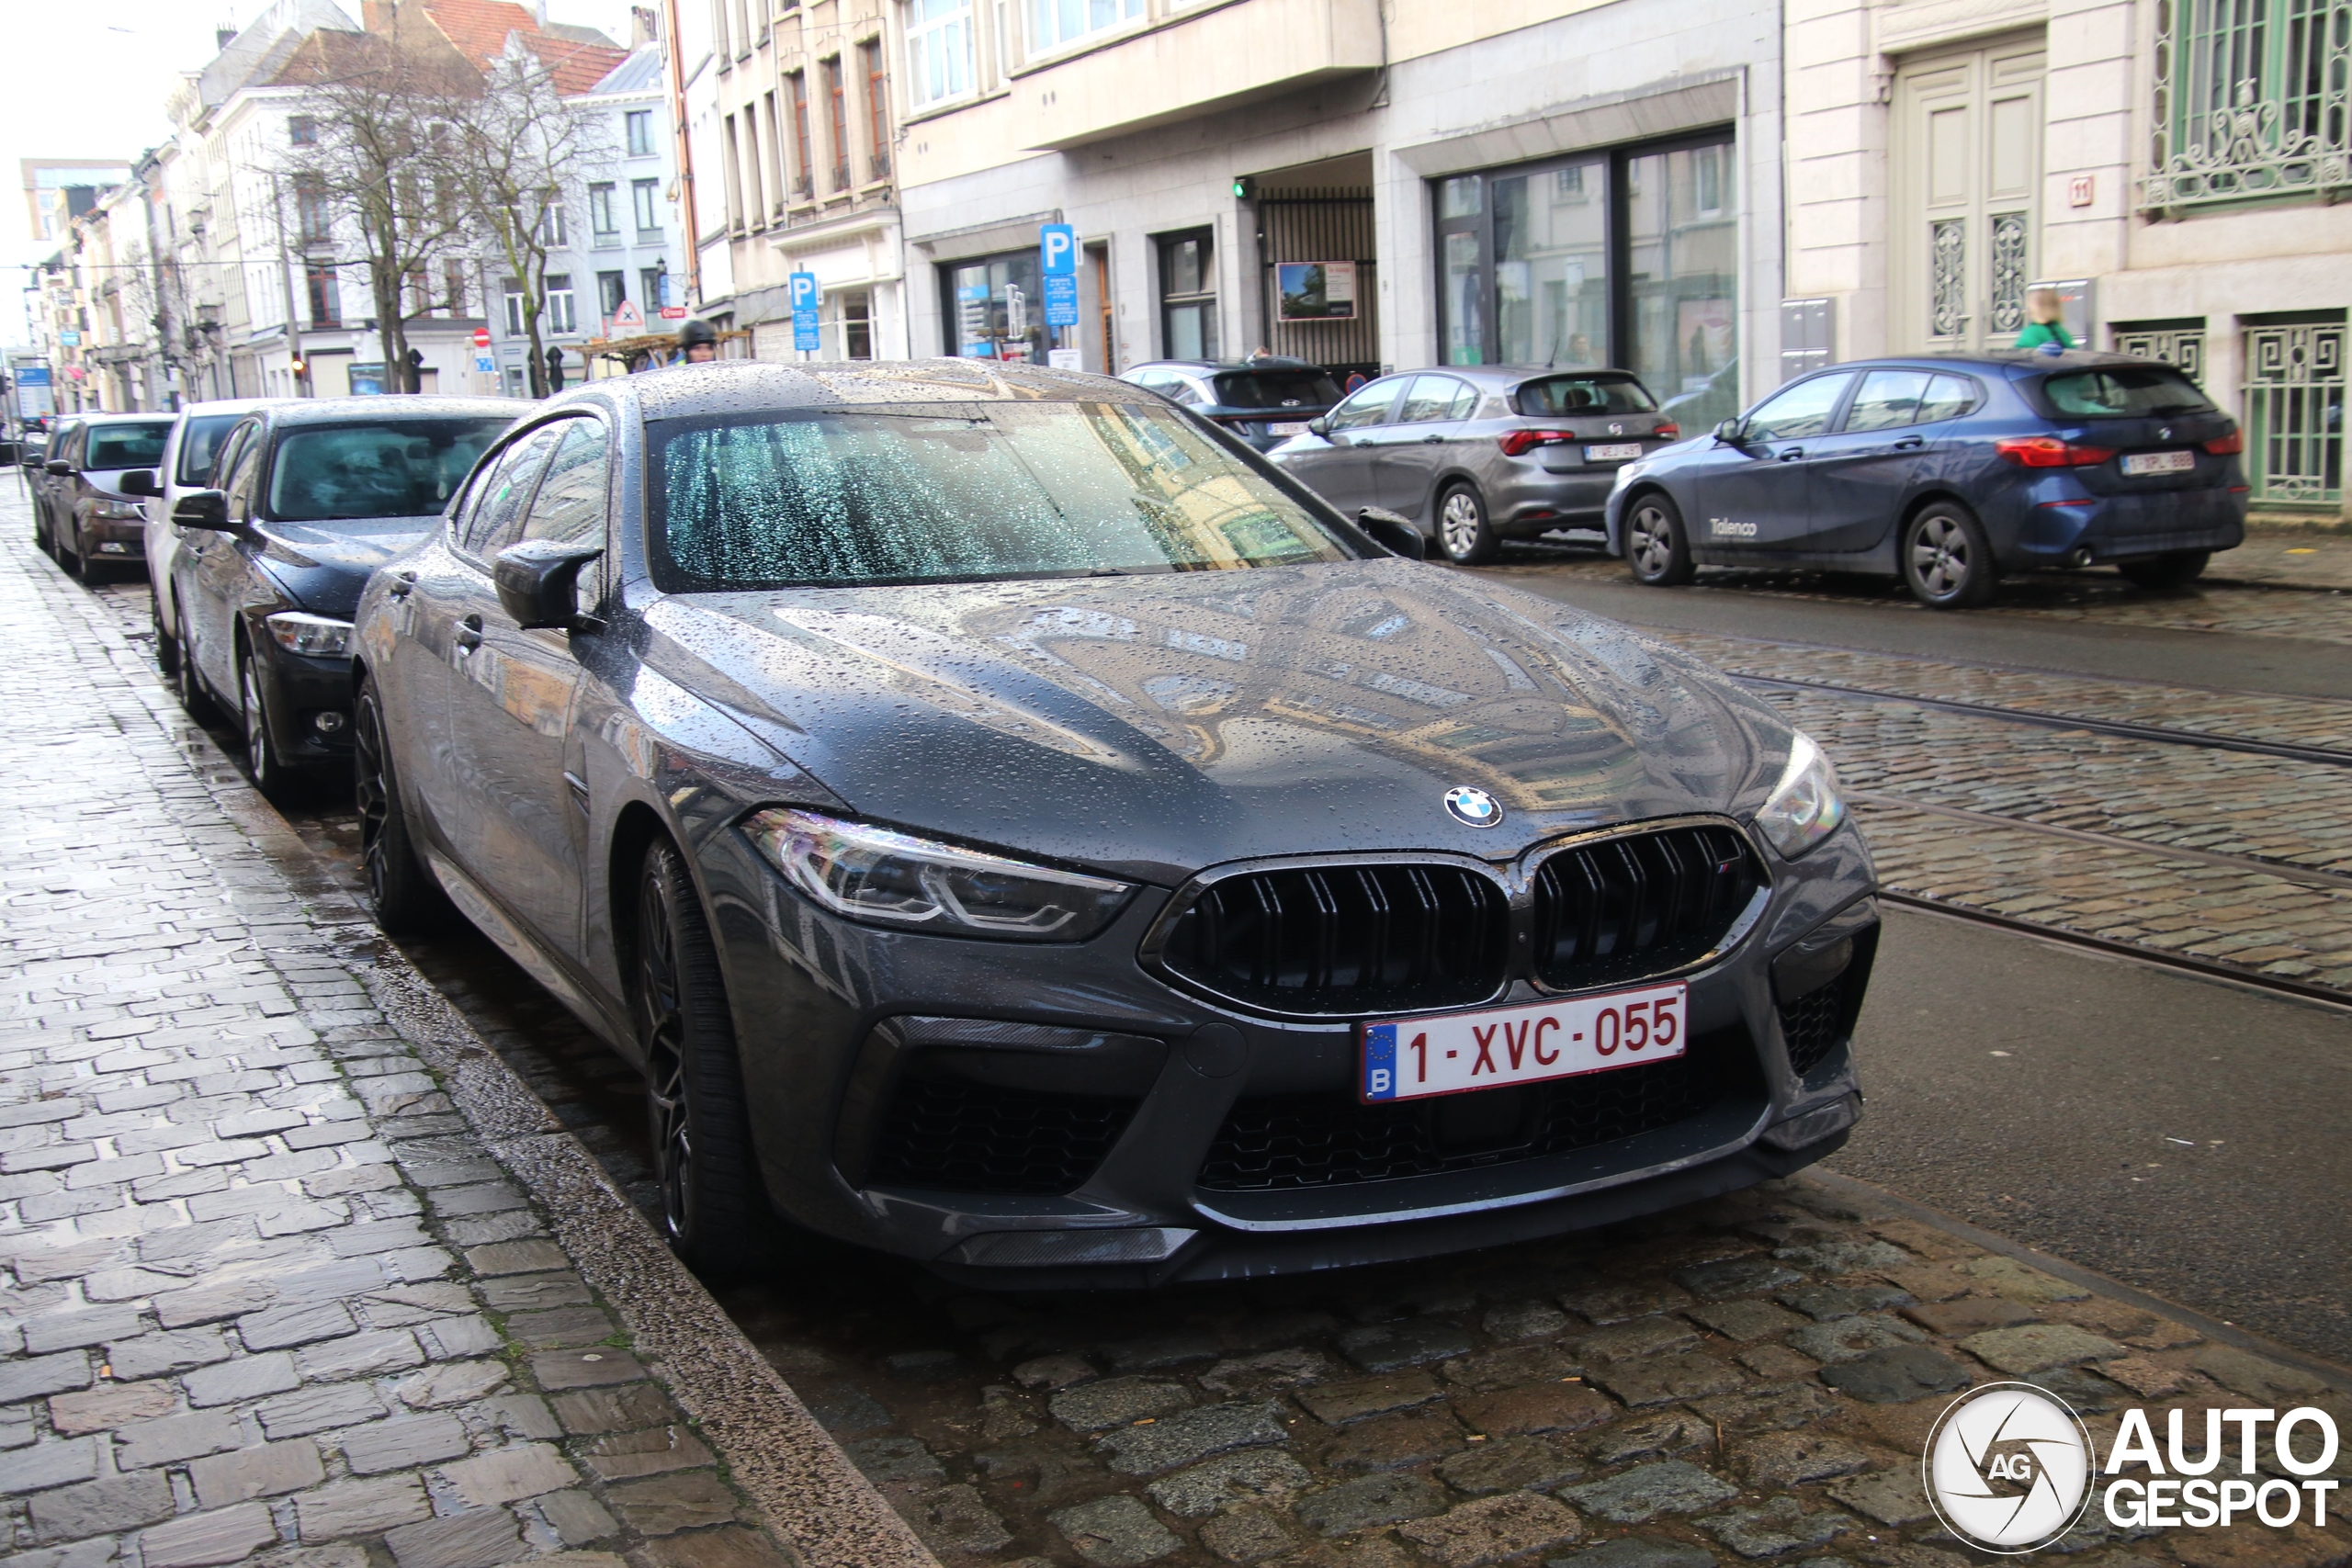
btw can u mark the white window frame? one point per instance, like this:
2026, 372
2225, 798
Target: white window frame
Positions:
562, 306
1048, 19
644, 199
604, 211
940, 45
633, 121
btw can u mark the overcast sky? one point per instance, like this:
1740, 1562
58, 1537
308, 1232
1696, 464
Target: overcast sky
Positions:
87, 79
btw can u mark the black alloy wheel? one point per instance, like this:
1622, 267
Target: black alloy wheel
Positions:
187, 684
714, 1213
167, 647
1946, 562
2176, 568
401, 893
1657, 549
1464, 530
262, 762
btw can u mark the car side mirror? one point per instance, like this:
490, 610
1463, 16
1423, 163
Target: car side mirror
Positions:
536, 579
57, 466
138, 481
203, 509
1319, 425
1728, 433
1392, 533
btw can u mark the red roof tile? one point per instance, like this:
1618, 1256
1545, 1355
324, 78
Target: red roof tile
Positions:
479, 28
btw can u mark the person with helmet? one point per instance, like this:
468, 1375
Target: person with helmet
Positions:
697, 344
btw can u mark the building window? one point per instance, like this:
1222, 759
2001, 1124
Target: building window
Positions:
302, 130
1188, 296
837, 101
2179, 342
995, 307
780, 179
514, 306
326, 296
554, 230
734, 176
640, 124
643, 194
1058, 22
453, 278
939, 51
314, 213
603, 213
652, 283
804, 178
755, 206
1682, 261
612, 292
878, 107
562, 315
854, 308
2293, 403
2249, 100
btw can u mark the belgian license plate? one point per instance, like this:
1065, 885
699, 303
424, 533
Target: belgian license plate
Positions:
1615, 452
1414, 1058
1288, 427
2138, 463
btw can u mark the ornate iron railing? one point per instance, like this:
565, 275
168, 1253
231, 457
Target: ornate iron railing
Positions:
2293, 399
2253, 99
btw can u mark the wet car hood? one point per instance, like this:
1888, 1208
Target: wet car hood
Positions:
1156, 725
324, 565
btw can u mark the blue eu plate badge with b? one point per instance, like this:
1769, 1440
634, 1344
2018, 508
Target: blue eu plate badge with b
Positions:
1380, 1062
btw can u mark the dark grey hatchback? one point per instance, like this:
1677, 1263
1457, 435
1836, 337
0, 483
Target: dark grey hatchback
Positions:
1015, 827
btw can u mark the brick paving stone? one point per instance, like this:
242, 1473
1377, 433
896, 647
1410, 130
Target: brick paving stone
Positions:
175, 1438
349, 1509
667, 1504
265, 1470
1649, 1490
1115, 1532
1190, 1435
478, 1537
403, 1442
199, 1541
49, 1464
1492, 1529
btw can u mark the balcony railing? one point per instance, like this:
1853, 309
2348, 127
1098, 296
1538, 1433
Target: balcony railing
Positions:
2249, 102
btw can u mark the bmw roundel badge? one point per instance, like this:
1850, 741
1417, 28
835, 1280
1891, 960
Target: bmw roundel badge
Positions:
1472, 808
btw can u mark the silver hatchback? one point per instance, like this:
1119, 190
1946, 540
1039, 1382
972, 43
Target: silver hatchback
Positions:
1475, 455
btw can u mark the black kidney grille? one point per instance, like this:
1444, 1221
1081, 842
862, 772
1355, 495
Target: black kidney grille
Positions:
1639, 904
974, 1137
1277, 1142
1345, 939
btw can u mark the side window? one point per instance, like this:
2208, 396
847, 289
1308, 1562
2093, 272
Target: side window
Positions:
1888, 399
1465, 402
1798, 411
1948, 397
571, 502
1152, 380
216, 474
1432, 397
241, 475
1369, 406
497, 516
1185, 391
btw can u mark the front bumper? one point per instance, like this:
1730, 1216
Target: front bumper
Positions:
106, 538
1038, 1117
309, 702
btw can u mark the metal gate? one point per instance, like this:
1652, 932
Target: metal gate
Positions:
1322, 225
2180, 346
2294, 412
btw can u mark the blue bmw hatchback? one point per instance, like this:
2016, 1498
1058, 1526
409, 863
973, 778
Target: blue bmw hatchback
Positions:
1948, 472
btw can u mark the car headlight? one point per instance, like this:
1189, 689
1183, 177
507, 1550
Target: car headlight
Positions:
1805, 807
314, 635
117, 511
874, 874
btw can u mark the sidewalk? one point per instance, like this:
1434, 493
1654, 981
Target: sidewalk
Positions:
297, 1272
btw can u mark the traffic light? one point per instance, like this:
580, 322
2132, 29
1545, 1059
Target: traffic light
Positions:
302, 367
1244, 187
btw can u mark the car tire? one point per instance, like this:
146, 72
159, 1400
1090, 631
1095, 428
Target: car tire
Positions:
1947, 561
1658, 546
167, 647
715, 1213
263, 764
1465, 532
70, 559
187, 684
2176, 568
401, 892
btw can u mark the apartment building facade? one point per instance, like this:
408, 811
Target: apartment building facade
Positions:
1362, 183
791, 110
2180, 167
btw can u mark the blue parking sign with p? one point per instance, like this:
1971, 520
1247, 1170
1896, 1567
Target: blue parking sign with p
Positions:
1058, 259
806, 296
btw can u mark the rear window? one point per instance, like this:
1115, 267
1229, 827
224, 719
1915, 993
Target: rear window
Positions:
1009, 491
383, 468
1563, 396
2152, 391
127, 446
200, 445
1277, 389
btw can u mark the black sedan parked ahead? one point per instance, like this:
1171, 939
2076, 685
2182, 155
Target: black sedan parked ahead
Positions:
1264, 400
1948, 472
86, 500
313, 495
1016, 828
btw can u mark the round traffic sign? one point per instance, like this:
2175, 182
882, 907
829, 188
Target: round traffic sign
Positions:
481, 337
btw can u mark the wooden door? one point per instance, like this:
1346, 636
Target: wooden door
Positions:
1966, 172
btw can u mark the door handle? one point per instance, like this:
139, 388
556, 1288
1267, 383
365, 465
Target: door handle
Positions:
398, 585
1910, 443
1791, 455
468, 636
1432, 440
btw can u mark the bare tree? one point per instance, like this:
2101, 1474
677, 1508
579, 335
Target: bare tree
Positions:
518, 154
376, 161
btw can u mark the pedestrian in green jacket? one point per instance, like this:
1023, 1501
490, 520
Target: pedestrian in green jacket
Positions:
2048, 323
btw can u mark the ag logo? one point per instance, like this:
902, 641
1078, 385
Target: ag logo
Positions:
2008, 1468
1472, 808
1616, 429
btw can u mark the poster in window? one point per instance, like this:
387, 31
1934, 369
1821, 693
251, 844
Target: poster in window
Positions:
1315, 291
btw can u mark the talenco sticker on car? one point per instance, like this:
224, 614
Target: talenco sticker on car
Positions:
1472, 808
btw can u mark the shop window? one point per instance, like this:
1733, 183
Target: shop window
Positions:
995, 307
1188, 296
1683, 260
1551, 253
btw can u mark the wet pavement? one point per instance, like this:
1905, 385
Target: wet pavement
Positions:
1748, 1378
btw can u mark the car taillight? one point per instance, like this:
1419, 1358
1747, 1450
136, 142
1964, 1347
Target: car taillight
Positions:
1519, 442
1668, 433
2048, 452
2228, 446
